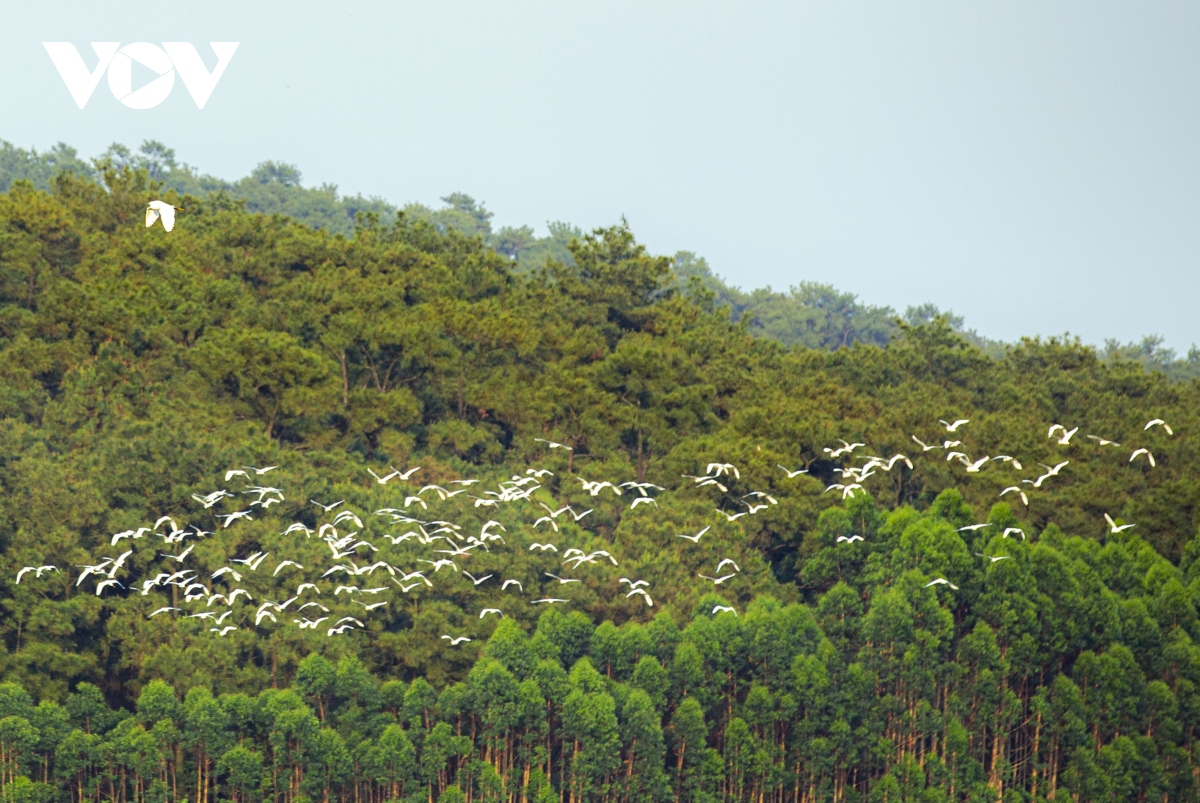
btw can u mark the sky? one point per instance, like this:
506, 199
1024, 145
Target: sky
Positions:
1032, 166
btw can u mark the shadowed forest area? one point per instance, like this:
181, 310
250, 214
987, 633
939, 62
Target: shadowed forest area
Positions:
1055, 661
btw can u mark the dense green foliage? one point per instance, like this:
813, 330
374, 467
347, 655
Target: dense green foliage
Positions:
137, 365
810, 314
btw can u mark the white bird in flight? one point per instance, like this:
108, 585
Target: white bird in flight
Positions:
1024, 498
1113, 525
1146, 452
1008, 530
253, 561
1158, 422
181, 555
924, 446
790, 473
644, 594
846, 448
37, 569
718, 580
553, 445
953, 427
1009, 459
1102, 441
723, 608
940, 581
384, 479
161, 209
486, 611
973, 468
103, 584
1066, 434
696, 538
232, 517
327, 508
848, 539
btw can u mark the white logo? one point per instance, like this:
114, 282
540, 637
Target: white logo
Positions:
172, 57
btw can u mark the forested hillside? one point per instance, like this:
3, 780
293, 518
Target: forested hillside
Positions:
871, 642
808, 314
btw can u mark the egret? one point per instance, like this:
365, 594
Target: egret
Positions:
1102, 441
1024, 498
644, 594
37, 571
384, 479
327, 508
1113, 525
1146, 452
718, 580
553, 445
156, 210
1158, 422
940, 581
103, 584
1066, 434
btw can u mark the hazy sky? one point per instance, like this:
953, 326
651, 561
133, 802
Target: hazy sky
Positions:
1033, 166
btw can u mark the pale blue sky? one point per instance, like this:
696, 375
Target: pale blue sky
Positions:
1032, 165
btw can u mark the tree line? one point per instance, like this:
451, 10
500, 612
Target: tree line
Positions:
809, 314
1067, 671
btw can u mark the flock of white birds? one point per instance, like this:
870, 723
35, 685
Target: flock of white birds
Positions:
360, 578
458, 548
430, 545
